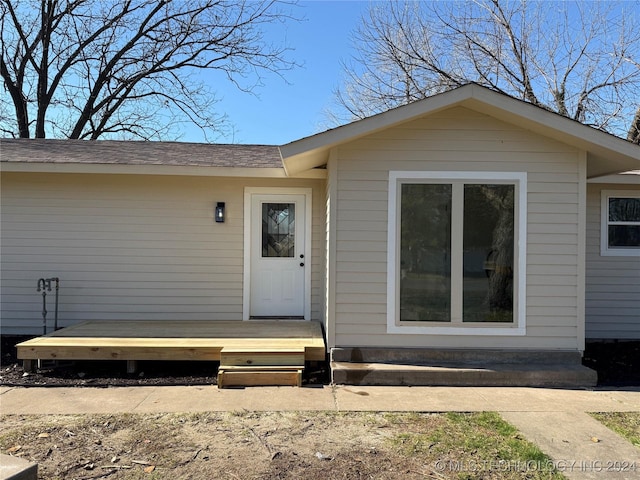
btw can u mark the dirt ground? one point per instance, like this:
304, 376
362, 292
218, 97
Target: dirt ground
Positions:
260, 446
203, 446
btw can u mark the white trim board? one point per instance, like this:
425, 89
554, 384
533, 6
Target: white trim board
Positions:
176, 170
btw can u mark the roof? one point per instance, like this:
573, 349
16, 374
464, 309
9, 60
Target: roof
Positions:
606, 153
141, 157
109, 152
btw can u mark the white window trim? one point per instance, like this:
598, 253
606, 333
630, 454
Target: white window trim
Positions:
396, 178
605, 250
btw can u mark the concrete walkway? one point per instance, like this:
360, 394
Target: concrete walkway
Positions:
554, 419
582, 447
62, 400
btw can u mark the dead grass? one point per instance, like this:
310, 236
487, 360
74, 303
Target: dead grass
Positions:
246, 445
625, 424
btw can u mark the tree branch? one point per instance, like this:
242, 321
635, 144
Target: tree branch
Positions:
85, 56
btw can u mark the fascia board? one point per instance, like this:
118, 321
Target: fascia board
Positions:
94, 168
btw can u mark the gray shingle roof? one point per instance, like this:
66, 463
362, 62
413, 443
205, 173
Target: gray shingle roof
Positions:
139, 153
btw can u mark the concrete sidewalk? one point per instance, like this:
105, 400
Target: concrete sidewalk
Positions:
62, 400
554, 419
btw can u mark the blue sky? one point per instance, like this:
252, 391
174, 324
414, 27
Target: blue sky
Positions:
283, 112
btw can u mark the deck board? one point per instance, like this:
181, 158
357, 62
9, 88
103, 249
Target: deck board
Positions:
180, 340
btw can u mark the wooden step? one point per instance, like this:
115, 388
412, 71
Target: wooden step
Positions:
261, 357
252, 377
259, 367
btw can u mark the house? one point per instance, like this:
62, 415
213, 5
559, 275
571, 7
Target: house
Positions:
468, 228
613, 262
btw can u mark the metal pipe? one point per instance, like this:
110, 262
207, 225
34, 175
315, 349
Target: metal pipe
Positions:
44, 286
55, 321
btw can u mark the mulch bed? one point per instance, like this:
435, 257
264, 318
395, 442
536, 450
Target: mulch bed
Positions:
617, 364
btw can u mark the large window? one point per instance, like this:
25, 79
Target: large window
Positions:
455, 259
620, 223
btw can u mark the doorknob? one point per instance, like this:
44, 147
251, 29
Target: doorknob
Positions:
302, 264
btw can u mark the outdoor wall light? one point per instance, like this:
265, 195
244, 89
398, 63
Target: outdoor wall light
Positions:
220, 212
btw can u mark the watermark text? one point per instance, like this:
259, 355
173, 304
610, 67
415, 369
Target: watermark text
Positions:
536, 465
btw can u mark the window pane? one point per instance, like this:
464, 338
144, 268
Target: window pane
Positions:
624, 235
278, 229
488, 253
624, 209
425, 253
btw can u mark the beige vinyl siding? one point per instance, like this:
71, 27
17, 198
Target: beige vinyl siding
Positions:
613, 282
458, 140
135, 247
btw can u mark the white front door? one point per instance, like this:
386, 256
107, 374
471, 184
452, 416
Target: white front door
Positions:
278, 254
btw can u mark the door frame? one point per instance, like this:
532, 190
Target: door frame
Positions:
249, 192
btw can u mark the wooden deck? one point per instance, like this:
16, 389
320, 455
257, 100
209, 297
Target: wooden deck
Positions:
179, 340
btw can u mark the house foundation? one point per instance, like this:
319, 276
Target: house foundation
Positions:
457, 367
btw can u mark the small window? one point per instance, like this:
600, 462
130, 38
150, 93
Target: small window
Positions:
620, 223
278, 230
456, 260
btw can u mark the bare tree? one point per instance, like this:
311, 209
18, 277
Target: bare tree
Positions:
579, 59
86, 69
634, 131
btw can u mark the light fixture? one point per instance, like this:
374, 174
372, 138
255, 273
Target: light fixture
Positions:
220, 212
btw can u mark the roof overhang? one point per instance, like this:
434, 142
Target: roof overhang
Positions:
624, 178
176, 170
606, 154
144, 158
104, 168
